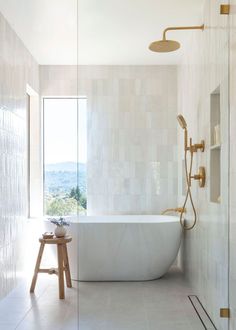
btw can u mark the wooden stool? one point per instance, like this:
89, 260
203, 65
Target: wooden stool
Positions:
63, 263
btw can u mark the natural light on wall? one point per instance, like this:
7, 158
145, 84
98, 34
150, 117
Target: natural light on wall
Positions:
65, 156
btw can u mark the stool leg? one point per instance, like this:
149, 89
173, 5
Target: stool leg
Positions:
39, 258
60, 271
66, 266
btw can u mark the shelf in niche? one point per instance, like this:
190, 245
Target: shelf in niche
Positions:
215, 146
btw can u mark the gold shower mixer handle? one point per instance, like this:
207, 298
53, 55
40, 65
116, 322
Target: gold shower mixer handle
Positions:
201, 176
200, 146
197, 146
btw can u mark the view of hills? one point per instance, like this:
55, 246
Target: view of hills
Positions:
62, 177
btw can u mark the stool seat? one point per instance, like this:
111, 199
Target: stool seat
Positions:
56, 240
63, 263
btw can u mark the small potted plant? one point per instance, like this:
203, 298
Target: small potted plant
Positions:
60, 230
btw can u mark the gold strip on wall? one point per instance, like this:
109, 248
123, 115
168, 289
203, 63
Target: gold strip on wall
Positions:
224, 9
225, 312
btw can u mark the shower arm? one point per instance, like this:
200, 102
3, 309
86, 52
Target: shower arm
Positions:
173, 28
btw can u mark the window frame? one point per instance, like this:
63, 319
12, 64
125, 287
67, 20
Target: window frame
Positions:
43, 141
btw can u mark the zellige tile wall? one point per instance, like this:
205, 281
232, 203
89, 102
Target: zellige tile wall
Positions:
132, 137
17, 68
205, 248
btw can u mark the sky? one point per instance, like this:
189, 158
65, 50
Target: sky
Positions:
60, 130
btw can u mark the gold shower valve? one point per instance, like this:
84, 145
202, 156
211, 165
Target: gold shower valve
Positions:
197, 146
200, 146
201, 176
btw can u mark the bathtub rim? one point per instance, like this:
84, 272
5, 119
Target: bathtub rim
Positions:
125, 219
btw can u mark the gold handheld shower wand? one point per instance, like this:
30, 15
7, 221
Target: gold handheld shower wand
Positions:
192, 147
188, 174
183, 124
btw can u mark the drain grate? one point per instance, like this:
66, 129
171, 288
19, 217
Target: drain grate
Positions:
202, 313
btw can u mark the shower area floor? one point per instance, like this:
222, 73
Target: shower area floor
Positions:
155, 305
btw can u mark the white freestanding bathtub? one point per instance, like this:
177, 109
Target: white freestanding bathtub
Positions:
123, 248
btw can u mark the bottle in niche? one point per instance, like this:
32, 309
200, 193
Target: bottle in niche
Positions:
217, 134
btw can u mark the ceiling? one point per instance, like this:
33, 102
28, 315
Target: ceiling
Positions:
109, 31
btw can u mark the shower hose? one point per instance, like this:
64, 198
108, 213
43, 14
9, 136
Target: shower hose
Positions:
189, 194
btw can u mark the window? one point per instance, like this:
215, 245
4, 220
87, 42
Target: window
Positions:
65, 156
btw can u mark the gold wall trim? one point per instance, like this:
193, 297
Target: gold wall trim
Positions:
224, 9
225, 312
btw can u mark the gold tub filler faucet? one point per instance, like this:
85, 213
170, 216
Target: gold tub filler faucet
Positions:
200, 176
176, 210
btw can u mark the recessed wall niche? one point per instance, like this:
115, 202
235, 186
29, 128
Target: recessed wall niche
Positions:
215, 148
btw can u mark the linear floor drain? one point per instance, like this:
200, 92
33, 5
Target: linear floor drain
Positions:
202, 313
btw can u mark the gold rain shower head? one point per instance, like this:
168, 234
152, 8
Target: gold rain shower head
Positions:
165, 45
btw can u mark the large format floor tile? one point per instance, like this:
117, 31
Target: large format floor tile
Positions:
155, 305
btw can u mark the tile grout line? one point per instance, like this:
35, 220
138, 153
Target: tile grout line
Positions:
31, 307
145, 309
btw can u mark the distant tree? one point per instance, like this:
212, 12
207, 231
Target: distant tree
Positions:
61, 206
83, 202
76, 194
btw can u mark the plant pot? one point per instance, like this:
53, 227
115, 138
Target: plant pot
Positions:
60, 231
